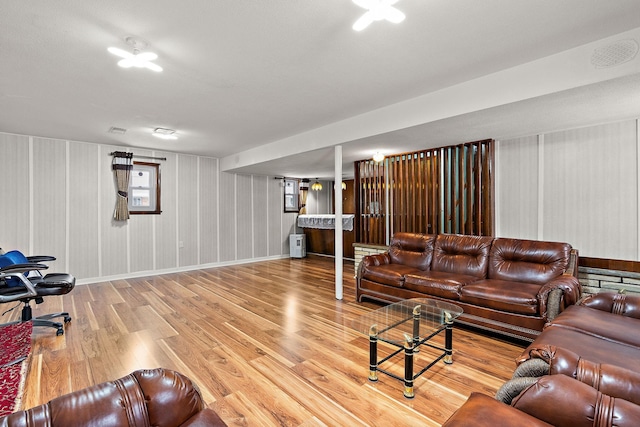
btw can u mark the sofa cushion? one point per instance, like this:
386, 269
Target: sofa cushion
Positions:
388, 274
528, 261
601, 324
412, 249
521, 298
461, 254
438, 283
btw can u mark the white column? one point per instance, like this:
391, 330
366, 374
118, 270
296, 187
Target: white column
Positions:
338, 229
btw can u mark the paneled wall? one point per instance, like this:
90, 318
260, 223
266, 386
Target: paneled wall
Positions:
59, 196
579, 186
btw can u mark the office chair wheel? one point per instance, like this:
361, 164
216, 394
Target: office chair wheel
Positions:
59, 332
67, 319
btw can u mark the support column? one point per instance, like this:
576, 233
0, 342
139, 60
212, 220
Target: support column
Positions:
338, 212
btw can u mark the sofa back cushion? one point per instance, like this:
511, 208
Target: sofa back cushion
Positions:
412, 249
461, 254
529, 261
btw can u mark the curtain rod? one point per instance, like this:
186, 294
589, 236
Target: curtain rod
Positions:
113, 153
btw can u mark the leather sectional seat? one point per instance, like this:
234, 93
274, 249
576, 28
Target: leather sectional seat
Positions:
510, 286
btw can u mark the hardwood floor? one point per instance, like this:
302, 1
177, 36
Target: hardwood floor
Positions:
267, 343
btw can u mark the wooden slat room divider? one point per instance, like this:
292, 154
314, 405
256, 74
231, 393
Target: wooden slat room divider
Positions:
442, 190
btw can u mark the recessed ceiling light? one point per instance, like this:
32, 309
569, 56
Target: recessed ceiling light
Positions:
378, 157
164, 133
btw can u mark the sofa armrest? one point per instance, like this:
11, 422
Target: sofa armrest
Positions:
572, 268
570, 287
370, 260
609, 379
563, 401
616, 303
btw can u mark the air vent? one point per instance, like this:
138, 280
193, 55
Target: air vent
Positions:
614, 54
117, 131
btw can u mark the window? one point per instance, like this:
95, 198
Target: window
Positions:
291, 203
144, 189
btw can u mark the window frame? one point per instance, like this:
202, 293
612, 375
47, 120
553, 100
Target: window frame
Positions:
154, 189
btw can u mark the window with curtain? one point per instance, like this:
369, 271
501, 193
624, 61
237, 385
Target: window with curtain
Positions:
443, 190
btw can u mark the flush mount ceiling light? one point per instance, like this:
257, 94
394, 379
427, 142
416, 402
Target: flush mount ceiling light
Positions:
316, 186
164, 133
377, 10
378, 157
136, 59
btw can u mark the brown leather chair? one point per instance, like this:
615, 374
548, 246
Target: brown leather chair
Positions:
155, 397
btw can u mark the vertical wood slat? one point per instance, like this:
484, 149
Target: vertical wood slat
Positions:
442, 190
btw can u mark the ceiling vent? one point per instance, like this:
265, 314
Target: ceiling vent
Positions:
614, 54
117, 131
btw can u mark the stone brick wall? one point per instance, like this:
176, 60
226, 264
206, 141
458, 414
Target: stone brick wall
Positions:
596, 280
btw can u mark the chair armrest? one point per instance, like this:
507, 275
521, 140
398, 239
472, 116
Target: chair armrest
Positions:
23, 268
616, 303
41, 258
563, 401
29, 288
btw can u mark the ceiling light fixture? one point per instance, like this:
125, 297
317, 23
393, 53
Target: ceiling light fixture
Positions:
136, 59
377, 10
316, 186
164, 133
378, 157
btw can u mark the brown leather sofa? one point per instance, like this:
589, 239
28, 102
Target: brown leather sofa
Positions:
510, 286
157, 397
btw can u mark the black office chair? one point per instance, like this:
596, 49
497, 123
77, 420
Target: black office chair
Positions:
21, 280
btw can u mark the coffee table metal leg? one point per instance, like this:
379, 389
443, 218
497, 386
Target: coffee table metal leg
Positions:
416, 325
408, 367
448, 339
373, 353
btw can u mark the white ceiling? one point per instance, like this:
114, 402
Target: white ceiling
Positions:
270, 86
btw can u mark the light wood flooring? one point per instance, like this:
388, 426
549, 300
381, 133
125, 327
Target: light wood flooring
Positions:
267, 343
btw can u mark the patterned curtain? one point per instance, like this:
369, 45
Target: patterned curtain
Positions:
122, 164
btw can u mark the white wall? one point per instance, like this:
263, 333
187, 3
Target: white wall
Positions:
59, 198
578, 186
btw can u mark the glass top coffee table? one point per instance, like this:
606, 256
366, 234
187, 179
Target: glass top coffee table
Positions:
408, 325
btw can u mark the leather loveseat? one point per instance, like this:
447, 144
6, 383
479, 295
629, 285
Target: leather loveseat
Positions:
510, 286
157, 397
